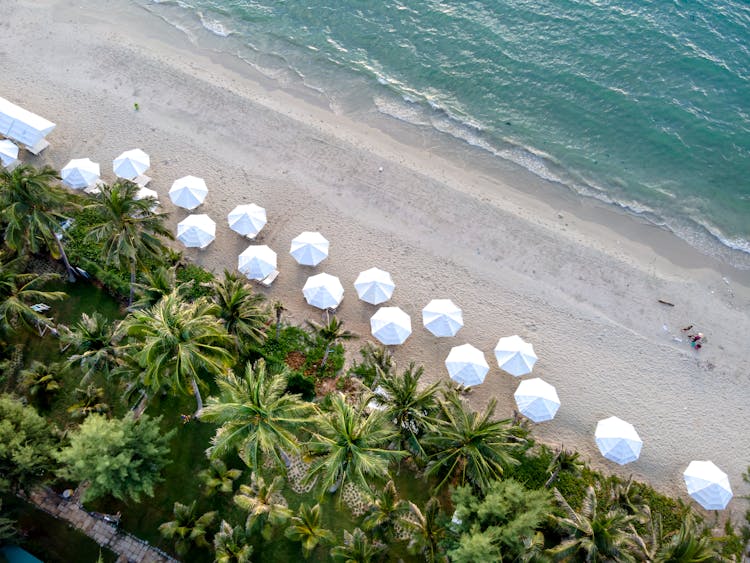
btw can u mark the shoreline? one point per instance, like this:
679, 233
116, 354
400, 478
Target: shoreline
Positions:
533, 260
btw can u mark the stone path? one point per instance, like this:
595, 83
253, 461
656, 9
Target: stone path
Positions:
127, 547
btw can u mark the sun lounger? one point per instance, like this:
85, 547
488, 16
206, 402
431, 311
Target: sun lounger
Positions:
40, 307
142, 180
268, 280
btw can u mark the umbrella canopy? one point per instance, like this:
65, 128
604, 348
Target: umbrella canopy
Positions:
247, 220
467, 365
442, 317
131, 164
196, 231
309, 248
708, 485
390, 325
8, 152
257, 262
617, 440
188, 192
80, 173
515, 356
374, 286
537, 400
323, 291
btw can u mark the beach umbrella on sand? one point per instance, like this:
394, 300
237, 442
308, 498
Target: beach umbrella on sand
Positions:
80, 173
374, 286
323, 291
309, 248
247, 220
708, 485
196, 231
131, 164
188, 192
257, 262
390, 325
8, 152
467, 365
617, 440
537, 400
442, 317
515, 356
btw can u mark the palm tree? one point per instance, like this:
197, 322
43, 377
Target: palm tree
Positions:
427, 531
256, 416
686, 545
128, 227
187, 528
471, 447
264, 503
90, 400
156, 284
278, 309
42, 380
177, 343
230, 544
356, 548
31, 211
241, 309
385, 512
351, 446
91, 341
307, 529
377, 362
217, 478
564, 461
331, 333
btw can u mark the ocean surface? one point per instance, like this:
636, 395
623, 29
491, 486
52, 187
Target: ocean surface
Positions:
644, 105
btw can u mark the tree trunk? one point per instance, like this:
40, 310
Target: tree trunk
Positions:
325, 357
64, 256
198, 398
132, 283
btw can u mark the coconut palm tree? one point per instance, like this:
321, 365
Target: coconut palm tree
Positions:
307, 529
264, 503
91, 342
278, 309
32, 211
331, 333
128, 227
356, 548
256, 416
157, 283
218, 478
241, 309
230, 544
89, 400
187, 529
177, 344
564, 461
427, 531
42, 380
377, 362
686, 545
385, 512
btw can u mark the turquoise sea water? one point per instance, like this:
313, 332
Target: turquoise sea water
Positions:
642, 104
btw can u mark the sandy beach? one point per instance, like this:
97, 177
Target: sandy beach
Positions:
521, 256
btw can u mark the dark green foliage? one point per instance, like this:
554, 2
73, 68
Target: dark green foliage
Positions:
376, 361
201, 279
301, 385
188, 529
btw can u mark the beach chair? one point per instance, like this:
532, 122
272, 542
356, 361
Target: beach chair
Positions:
269, 279
40, 307
142, 180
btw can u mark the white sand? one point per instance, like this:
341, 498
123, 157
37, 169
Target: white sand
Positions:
520, 256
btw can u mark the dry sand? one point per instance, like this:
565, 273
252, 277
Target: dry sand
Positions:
520, 256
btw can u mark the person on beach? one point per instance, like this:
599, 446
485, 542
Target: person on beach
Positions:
687, 328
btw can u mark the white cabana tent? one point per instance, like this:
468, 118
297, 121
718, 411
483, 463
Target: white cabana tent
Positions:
708, 485
131, 165
390, 325
24, 127
257, 262
188, 192
515, 356
196, 231
247, 220
8, 153
374, 286
323, 291
617, 440
537, 400
80, 173
467, 365
442, 317
309, 248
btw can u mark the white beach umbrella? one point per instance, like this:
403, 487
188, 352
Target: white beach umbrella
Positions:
247, 220
442, 317
374, 286
537, 400
131, 164
8, 152
617, 440
309, 248
467, 365
515, 356
257, 262
323, 291
80, 173
390, 325
708, 485
188, 192
196, 231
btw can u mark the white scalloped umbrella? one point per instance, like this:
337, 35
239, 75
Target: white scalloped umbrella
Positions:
80, 173
309, 248
131, 164
442, 317
8, 152
374, 286
257, 262
196, 231
708, 485
514, 355
537, 400
247, 220
323, 291
467, 365
617, 440
390, 325
188, 192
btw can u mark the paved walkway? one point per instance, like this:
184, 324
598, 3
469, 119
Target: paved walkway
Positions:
127, 547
